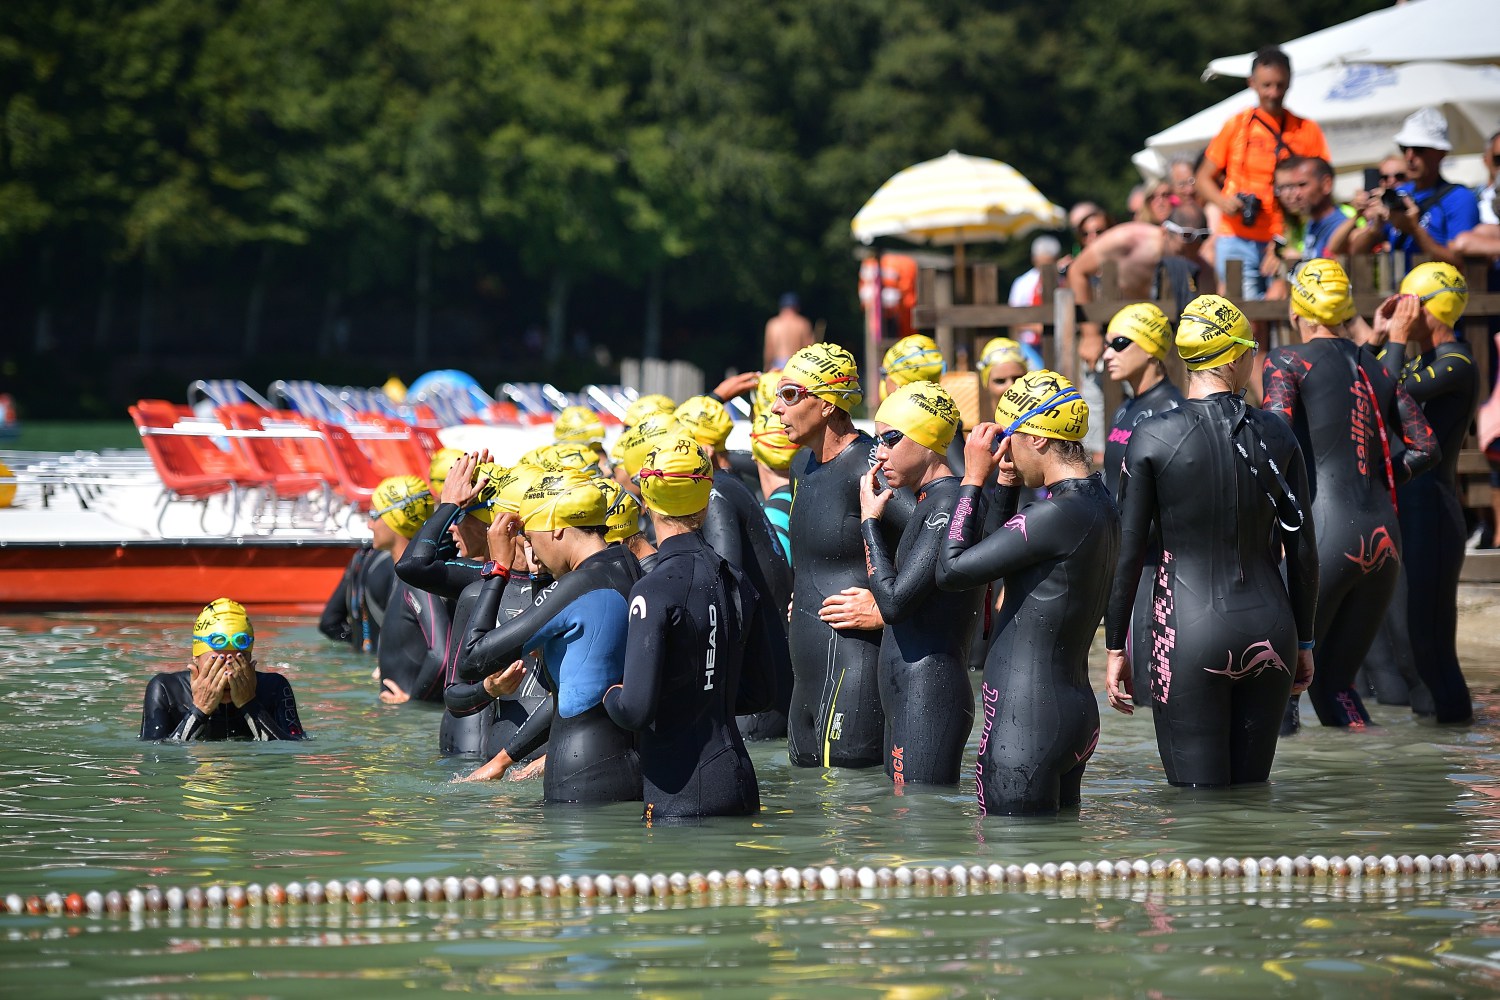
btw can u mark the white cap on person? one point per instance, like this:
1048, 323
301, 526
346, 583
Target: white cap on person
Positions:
1425, 128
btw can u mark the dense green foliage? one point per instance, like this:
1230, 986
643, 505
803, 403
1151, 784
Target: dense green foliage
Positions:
425, 179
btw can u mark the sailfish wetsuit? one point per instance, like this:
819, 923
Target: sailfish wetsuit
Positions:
924, 653
477, 722
1445, 384
1357, 431
1041, 721
1224, 484
736, 527
579, 626
695, 627
835, 718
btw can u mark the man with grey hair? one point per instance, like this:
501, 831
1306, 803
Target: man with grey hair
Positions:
1027, 289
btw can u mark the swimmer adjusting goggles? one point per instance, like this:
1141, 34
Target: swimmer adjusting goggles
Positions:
1068, 395
220, 640
406, 502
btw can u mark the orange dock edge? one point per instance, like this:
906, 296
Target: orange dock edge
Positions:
269, 576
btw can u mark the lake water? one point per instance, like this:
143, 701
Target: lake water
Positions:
85, 806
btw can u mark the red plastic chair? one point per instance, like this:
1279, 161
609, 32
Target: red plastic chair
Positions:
191, 467
281, 460
356, 477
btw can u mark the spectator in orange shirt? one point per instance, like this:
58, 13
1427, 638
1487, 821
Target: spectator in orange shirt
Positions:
1243, 157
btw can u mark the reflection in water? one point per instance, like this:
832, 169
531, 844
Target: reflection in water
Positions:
84, 805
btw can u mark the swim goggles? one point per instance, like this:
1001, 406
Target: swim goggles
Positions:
220, 640
890, 438
1057, 399
1120, 344
793, 394
1185, 232
401, 504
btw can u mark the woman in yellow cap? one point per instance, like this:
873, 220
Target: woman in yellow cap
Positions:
579, 628
414, 633
1055, 557
1226, 487
698, 653
1135, 351
221, 696
1443, 381
1002, 361
773, 452
1363, 437
835, 719
916, 358
924, 675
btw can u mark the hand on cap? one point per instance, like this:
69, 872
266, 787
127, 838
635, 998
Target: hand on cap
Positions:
979, 454
459, 488
502, 537
1005, 467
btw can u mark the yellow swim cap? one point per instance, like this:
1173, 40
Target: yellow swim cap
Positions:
676, 478
564, 499
483, 504
222, 627
1442, 289
578, 457
924, 412
637, 442
1320, 292
769, 443
1045, 404
706, 421
1001, 351
1212, 332
404, 503
913, 359
645, 406
442, 461
1145, 325
622, 512
828, 372
577, 425
512, 484
765, 391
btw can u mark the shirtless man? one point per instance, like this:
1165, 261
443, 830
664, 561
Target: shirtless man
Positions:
786, 333
1140, 250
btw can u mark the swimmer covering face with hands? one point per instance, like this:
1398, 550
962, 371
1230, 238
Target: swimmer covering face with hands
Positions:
221, 696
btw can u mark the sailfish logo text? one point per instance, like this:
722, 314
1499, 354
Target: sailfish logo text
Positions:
1254, 661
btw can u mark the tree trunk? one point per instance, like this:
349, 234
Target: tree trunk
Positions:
424, 295
557, 317
651, 348
256, 305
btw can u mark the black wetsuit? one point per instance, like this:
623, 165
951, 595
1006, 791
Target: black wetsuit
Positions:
413, 642
695, 624
835, 717
778, 510
579, 626
1161, 397
737, 529
742, 464
1056, 556
1225, 626
924, 668
1445, 384
169, 712
430, 561
356, 608
475, 722
1356, 430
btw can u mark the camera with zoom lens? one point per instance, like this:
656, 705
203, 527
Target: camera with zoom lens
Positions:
1394, 201
1249, 208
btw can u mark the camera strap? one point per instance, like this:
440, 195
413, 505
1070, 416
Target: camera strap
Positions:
1283, 151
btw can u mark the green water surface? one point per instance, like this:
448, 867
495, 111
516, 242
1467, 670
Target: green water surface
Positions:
85, 806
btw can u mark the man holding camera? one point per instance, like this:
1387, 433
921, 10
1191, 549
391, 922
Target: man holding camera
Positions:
1423, 215
1238, 170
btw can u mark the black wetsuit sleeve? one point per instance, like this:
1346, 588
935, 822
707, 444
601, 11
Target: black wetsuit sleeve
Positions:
534, 732
966, 559
429, 680
1448, 372
1300, 549
163, 715
272, 713
632, 703
1137, 502
466, 697
334, 622
766, 667
1282, 377
900, 592
1392, 358
1419, 449
721, 530
422, 567
488, 649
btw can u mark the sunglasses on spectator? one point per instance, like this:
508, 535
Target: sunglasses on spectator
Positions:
219, 640
1188, 234
1408, 150
1388, 178
890, 438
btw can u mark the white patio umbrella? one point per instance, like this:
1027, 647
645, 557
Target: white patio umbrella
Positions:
1417, 31
1360, 109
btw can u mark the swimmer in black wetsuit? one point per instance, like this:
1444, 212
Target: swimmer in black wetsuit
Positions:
1225, 486
835, 717
356, 608
1055, 556
1136, 346
695, 628
1358, 432
924, 675
1443, 381
579, 627
221, 696
735, 526
415, 631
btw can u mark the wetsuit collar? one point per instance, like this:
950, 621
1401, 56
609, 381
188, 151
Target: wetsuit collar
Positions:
922, 493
